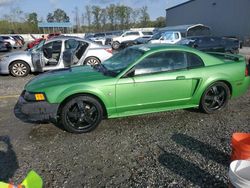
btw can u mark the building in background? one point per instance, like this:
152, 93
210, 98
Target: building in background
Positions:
52, 27
224, 17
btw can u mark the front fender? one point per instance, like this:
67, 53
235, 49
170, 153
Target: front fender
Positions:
107, 98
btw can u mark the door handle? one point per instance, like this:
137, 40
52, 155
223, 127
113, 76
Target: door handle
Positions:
180, 78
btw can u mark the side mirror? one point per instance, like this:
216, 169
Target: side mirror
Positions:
129, 74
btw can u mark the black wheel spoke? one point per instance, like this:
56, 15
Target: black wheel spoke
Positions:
72, 115
91, 110
88, 119
209, 98
81, 106
215, 90
222, 94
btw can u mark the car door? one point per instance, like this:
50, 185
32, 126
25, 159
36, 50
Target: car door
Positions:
160, 80
49, 57
74, 52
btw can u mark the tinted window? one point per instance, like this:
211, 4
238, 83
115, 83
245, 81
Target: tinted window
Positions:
161, 62
194, 61
147, 33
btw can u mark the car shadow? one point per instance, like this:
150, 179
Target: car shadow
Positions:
207, 151
8, 159
189, 171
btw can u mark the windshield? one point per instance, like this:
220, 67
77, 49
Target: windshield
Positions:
157, 36
120, 61
168, 36
38, 46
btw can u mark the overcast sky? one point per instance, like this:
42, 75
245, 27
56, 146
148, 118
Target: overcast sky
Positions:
156, 8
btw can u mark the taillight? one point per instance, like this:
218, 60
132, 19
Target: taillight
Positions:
247, 70
109, 50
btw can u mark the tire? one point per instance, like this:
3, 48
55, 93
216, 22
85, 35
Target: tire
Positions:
19, 69
215, 98
116, 45
81, 114
92, 61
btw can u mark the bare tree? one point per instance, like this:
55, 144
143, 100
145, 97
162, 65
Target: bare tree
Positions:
88, 15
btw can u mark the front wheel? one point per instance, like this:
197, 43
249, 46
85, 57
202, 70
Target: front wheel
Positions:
116, 45
81, 114
215, 97
19, 69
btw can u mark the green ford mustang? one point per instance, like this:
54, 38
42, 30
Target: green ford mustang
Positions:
138, 80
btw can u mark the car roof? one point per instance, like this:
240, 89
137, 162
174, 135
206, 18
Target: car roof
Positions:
157, 47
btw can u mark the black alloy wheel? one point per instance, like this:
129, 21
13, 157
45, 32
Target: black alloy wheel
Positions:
215, 97
81, 114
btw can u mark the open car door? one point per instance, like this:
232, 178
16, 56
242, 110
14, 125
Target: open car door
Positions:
38, 61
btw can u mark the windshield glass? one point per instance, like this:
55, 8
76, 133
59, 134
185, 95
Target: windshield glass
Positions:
38, 46
168, 36
120, 61
157, 36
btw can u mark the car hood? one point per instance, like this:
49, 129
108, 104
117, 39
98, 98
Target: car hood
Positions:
81, 74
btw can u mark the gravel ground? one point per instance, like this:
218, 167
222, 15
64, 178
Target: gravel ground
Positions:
183, 148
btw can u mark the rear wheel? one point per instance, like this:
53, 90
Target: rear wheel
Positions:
215, 97
81, 114
19, 69
92, 61
116, 45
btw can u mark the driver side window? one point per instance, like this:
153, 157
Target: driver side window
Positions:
161, 62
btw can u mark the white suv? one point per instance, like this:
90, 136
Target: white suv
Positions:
125, 36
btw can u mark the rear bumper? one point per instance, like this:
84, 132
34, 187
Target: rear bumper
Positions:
36, 111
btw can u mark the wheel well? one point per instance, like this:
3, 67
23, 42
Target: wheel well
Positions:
105, 114
19, 61
228, 84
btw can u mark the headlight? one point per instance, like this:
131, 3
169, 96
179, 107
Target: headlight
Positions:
28, 96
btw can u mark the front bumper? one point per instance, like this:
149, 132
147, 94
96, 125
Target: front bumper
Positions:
36, 111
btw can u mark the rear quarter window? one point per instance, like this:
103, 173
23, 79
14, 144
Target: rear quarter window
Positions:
194, 61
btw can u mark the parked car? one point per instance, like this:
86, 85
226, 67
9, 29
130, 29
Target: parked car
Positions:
34, 43
54, 54
126, 36
212, 44
141, 40
9, 39
5, 46
137, 80
20, 38
166, 37
19, 43
38, 40
104, 38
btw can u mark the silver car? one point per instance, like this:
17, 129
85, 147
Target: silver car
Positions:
56, 53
